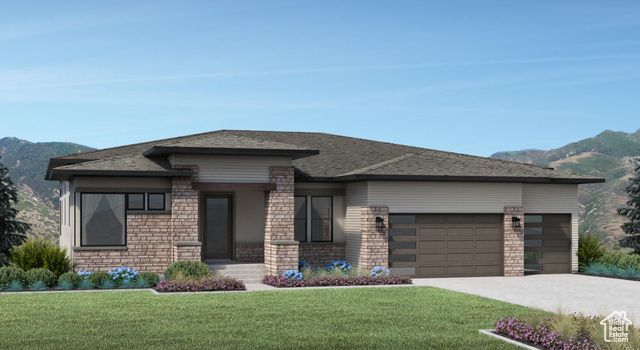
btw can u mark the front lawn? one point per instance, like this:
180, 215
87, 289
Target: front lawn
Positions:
369, 318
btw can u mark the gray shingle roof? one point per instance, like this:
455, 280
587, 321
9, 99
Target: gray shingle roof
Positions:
340, 158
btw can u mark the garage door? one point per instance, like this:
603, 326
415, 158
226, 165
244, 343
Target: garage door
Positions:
445, 245
547, 243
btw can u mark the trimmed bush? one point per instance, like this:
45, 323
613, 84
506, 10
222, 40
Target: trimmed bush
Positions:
38, 285
84, 284
620, 260
121, 274
189, 269
151, 279
380, 271
338, 265
97, 278
9, 274
65, 285
590, 248
206, 285
279, 281
43, 275
71, 278
38, 253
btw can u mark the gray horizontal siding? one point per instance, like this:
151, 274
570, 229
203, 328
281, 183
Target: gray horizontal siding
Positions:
444, 197
231, 168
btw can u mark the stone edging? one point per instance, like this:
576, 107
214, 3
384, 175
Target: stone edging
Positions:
491, 333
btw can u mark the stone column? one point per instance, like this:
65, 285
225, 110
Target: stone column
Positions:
374, 245
513, 242
184, 218
280, 247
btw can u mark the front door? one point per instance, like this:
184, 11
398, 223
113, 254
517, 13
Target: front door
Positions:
217, 227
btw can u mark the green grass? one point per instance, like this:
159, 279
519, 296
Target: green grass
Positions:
366, 318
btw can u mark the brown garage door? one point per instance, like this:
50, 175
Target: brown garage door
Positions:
445, 245
547, 243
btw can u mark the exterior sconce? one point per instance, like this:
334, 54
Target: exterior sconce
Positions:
516, 222
379, 222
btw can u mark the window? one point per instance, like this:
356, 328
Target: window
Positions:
103, 220
402, 219
155, 201
135, 201
321, 219
300, 219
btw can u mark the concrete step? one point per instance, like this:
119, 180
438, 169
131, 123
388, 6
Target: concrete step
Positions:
247, 272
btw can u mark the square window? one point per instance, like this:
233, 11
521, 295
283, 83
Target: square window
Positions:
135, 201
103, 220
156, 201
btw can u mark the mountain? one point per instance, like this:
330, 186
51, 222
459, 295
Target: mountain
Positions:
27, 163
611, 155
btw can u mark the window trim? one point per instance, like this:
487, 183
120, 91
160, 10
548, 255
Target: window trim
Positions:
306, 218
311, 219
164, 201
125, 221
144, 203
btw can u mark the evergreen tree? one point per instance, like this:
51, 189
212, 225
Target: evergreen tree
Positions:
632, 212
12, 232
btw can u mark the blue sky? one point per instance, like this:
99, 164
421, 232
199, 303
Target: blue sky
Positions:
468, 76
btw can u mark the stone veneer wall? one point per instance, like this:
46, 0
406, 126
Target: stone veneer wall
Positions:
321, 253
149, 247
184, 218
280, 247
250, 252
513, 242
374, 246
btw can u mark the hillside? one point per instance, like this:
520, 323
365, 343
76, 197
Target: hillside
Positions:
27, 162
610, 155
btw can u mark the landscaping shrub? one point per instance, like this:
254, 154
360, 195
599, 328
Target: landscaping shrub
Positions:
338, 265
151, 279
541, 335
43, 275
38, 285
15, 285
604, 270
120, 274
380, 271
69, 277
9, 274
106, 284
97, 278
304, 265
206, 285
189, 269
292, 274
620, 260
65, 285
38, 253
84, 274
590, 248
85, 284
280, 281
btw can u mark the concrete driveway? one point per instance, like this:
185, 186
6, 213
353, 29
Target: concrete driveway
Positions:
576, 293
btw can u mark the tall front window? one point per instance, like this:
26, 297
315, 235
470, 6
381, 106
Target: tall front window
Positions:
103, 220
300, 219
321, 219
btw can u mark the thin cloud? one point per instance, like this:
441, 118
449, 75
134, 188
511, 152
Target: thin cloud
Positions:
321, 70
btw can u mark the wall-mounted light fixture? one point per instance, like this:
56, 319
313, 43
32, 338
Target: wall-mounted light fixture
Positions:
379, 222
516, 221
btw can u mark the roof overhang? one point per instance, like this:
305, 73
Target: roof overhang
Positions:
354, 178
54, 163
169, 150
64, 174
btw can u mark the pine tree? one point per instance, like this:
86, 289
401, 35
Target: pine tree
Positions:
632, 212
12, 232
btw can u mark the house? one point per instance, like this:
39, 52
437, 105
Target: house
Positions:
281, 197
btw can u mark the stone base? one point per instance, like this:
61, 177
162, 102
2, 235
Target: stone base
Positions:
250, 252
513, 242
320, 254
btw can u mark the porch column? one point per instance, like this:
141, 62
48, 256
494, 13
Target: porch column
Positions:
280, 247
513, 242
184, 218
374, 244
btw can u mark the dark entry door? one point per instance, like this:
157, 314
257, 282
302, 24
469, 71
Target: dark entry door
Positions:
217, 227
